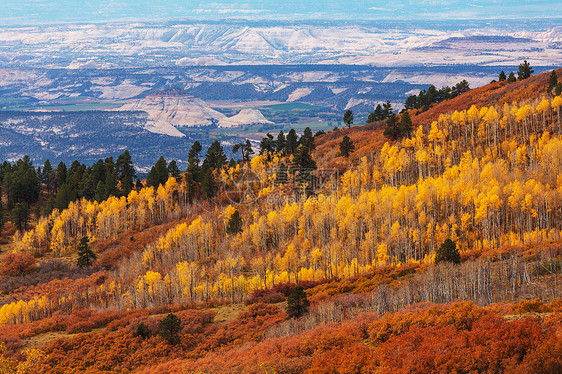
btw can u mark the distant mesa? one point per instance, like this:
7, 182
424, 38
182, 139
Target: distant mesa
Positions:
245, 117
173, 109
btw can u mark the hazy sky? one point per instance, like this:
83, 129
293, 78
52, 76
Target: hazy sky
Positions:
56, 11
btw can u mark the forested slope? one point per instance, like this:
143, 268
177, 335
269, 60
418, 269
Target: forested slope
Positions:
361, 235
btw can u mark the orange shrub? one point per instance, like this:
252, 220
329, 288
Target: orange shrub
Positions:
17, 264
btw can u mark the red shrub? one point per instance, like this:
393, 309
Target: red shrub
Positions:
17, 264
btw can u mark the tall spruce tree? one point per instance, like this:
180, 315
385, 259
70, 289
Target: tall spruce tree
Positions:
348, 118
158, 173
525, 70
346, 146
292, 142
502, 76
125, 172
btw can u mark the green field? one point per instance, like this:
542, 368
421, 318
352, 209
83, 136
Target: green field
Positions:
293, 106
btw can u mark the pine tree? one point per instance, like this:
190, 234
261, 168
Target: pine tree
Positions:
292, 142
297, 303
100, 194
280, 142
142, 331
61, 174
174, 171
405, 126
448, 252
391, 131
387, 109
372, 117
215, 157
125, 172
170, 328
85, 255
552, 81
234, 225
158, 174
379, 113
208, 183
348, 118
193, 156
303, 159
502, 76
307, 139
525, 70
267, 144
346, 146
20, 216
511, 78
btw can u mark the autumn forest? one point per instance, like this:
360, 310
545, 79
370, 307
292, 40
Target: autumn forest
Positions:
428, 240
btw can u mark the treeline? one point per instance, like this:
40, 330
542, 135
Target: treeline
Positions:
22, 185
433, 96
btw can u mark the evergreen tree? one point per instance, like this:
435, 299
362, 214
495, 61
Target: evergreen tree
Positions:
170, 328
100, 194
297, 303
411, 102
47, 174
61, 174
208, 183
511, 78
86, 256
21, 183
234, 225
292, 142
193, 156
461, 87
405, 126
193, 175
348, 118
174, 171
142, 331
391, 131
215, 157
302, 167
125, 172
372, 117
379, 113
387, 109
552, 81
346, 146
307, 139
448, 252
246, 149
267, 144
303, 159
502, 76
64, 196
110, 177
158, 174
280, 142
525, 70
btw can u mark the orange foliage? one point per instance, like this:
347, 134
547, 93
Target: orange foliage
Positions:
17, 264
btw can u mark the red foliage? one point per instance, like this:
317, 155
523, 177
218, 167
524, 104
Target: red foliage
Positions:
17, 264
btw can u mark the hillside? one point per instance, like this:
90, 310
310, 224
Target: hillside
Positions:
440, 251
369, 138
